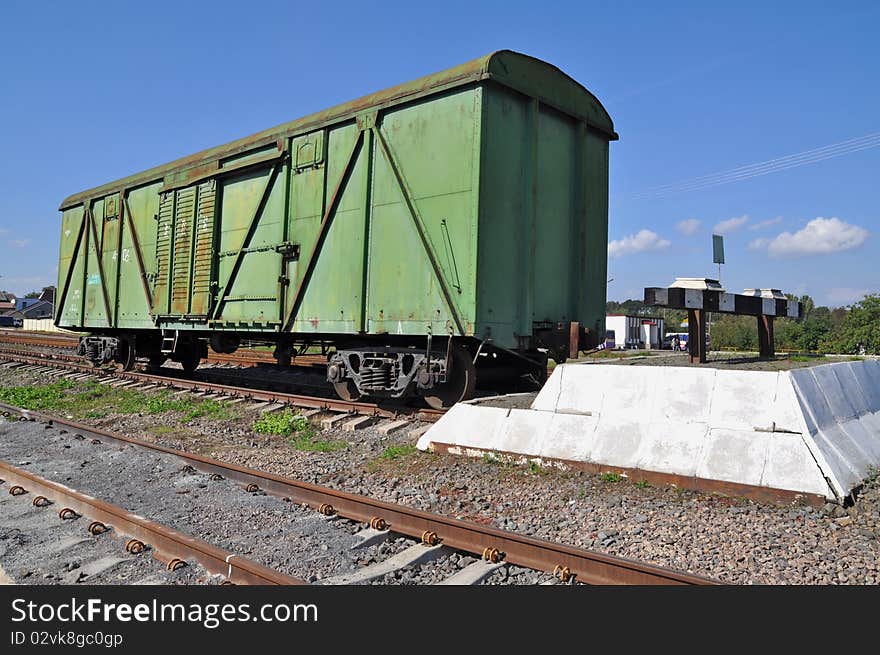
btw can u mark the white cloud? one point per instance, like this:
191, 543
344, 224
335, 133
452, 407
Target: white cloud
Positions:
688, 226
759, 244
845, 296
819, 236
3, 231
641, 241
19, 243
730, 225
760, 225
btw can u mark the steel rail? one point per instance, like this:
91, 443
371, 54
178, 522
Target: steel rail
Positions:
299, 400
242, 356
34, 340
168, 543
484, 541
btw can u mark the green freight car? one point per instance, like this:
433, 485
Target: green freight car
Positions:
441, 232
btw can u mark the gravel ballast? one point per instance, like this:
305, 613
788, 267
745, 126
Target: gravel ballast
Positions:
730, 539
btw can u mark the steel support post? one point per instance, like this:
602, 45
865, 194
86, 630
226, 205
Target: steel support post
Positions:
697, 335
766, 345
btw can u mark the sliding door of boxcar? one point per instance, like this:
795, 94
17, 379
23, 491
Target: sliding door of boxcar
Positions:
251, 246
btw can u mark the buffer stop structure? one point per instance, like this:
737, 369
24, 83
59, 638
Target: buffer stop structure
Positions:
701, 295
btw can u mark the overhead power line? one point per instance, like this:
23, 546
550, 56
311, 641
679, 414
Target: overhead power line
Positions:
739, 173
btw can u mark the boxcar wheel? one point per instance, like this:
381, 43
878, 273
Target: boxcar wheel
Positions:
126, 356
347, 390
190, 361
459, 385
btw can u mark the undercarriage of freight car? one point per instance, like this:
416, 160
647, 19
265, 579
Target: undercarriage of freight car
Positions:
441, 370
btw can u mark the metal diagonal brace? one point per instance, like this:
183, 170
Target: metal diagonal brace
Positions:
419, 224
98, 253
74, 254
326, 220
136, 244
258, 212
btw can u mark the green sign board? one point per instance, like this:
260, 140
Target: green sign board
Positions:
717, 248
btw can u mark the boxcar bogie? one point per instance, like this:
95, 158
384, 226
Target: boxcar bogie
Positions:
441, 234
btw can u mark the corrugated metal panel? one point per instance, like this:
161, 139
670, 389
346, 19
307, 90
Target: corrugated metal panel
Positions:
204, 249
180, 269
163, 252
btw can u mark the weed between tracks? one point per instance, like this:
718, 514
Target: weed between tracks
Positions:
300, 433
95, 401
398, 452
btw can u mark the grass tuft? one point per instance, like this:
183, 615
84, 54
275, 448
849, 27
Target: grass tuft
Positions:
37, 397
398, 452
95, 401
300, 432
282, 424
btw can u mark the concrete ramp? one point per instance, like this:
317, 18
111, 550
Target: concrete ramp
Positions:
812, 433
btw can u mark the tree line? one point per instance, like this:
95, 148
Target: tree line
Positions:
854, 329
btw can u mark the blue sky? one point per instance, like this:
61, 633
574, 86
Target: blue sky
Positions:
94, 91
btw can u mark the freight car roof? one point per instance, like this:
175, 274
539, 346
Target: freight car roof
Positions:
525, 74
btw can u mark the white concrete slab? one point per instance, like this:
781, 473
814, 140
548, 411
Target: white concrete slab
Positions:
789, 464
799, 430
569, 436
869, 385
521, 431
466, 424
672, 447
734, 456
548, 395
619, 441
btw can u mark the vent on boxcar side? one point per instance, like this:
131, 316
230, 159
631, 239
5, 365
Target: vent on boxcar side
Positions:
185, 251
203, 258
164, 226
184, 211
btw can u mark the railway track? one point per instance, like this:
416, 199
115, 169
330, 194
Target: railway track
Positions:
73, 367
170, 547
244, 357
427, 536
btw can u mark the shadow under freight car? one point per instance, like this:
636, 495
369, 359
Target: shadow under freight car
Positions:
311, 380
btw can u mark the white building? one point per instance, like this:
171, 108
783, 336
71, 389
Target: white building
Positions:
623, 331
